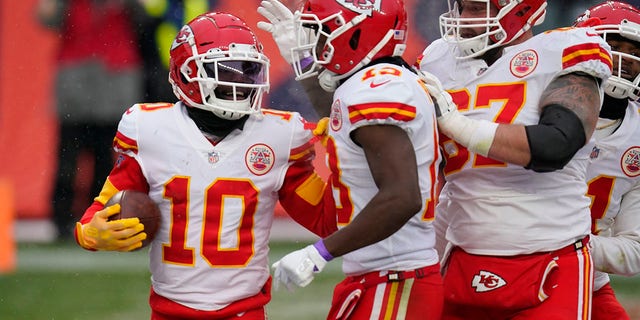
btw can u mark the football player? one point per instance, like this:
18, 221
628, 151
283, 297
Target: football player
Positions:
517, 124
216, 163
614, 174
382, 151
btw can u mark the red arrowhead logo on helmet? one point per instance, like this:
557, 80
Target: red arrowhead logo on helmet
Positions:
361, 6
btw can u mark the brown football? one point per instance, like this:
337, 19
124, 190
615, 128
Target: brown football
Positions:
136, 204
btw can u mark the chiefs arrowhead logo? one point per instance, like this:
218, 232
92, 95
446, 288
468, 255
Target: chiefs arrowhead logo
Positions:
361, 6
487, 281
183, 37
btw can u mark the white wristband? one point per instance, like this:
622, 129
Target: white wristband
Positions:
476, 135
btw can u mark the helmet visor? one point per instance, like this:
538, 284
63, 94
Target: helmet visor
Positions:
249, 72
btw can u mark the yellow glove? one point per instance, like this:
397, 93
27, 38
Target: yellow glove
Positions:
321, 130
115, 235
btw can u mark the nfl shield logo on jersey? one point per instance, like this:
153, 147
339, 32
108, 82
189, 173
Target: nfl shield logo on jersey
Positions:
213, 157
595, 152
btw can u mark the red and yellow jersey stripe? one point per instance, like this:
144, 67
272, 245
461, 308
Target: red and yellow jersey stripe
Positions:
381, 110
124, 143
585, 52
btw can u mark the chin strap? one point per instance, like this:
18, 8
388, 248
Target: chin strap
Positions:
328, 80
212, 124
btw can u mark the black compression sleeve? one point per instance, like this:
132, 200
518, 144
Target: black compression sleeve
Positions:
555, 139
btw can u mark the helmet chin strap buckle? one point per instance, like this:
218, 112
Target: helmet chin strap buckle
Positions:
328, 81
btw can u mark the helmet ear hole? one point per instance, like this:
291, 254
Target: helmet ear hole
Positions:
355, 39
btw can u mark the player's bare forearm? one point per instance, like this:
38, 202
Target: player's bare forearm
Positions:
510, 145
579, 93
392, 163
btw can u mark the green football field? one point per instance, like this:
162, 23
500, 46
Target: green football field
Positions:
63, 282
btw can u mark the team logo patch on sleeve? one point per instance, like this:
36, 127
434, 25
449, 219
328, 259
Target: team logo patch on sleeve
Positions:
524, 63
630, 162
335, 118
259, 159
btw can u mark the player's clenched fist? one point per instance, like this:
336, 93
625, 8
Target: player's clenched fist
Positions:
298, 268
116, 235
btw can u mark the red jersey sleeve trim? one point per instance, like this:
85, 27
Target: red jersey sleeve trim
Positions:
380, 111
125, 143
585, 52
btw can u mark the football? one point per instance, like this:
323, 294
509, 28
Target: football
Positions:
136, 204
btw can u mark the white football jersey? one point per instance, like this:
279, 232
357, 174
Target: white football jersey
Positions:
217, 202
495, 208
613, 181
385, 94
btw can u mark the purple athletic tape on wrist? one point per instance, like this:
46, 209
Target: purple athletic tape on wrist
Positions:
323, 250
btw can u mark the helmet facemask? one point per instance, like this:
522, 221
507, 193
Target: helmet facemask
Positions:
231, 82
474, 43
315, 41
338, 38
622, 84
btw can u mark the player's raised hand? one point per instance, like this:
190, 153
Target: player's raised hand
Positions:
280, 25
298, 268
476, 135
442, 99
116, 235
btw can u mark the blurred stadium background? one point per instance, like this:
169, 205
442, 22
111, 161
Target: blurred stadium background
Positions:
43, 279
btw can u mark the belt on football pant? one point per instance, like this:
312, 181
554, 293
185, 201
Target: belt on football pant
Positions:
576, 246
377, 277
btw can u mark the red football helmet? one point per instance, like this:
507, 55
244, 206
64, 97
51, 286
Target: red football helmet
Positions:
216, 64
513, 18
617, 21
350, 34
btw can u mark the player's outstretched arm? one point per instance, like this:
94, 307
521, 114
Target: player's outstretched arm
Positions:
569, 110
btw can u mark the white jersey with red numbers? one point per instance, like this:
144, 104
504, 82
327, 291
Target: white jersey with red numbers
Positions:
502, 209
383, 94
614, 186
217, 202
